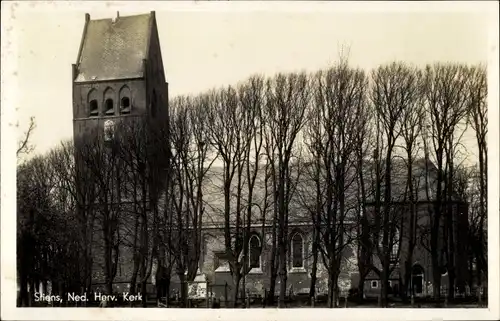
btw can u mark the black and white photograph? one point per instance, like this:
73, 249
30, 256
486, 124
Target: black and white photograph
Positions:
203, 158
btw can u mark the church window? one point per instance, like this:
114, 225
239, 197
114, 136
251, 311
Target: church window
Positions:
93, 108
254, 251
110, 108
125, 105
394, 239
297, 251
395, 246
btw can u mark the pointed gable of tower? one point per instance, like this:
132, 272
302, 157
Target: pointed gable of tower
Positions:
118, 74
113, 49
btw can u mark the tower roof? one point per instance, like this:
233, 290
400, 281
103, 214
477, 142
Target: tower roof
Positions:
114, 48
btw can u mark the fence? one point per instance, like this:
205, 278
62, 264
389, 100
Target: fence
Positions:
207, 295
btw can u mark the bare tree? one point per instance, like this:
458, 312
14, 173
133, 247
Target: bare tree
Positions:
271, 175
252, 98
362, 143
193, 159
33, 201
288, 97
412, 116
229, 137
394, 90
100, 159
478, 119
180, 136
312, 192
47, 233
142, 161
446, 96
76, 196
340, 113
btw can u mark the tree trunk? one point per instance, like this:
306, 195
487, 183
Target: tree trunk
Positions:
405, 290
272, 263
332, 298
330, 289
236, 289
361, 286
436, 276
272, 286
314, 268
383, 287
282, 237
167, 290
283, 279
183, 298
144, 293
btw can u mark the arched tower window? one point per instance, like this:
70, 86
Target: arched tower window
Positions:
92, 105
297, 251
125, 104
254, 245
109, 104
109, 107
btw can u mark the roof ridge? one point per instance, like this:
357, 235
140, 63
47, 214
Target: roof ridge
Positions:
121, 17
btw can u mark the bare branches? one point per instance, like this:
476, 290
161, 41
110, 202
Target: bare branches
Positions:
395, 92
447, 105
337, 120
288, 97
24, 145
320, 148
478, 118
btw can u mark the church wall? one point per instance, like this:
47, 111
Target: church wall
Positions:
298, 279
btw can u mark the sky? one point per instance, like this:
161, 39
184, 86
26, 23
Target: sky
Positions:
205, 46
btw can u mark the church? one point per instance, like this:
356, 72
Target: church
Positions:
119, 76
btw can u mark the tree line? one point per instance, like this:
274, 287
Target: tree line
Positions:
341, 130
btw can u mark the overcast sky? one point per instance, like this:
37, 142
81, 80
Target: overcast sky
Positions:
204, 49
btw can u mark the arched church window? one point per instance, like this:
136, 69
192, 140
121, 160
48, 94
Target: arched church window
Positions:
125, 105
254, 251
393, 243
93, 106
297, 251
109, 104
125, 100
109, 107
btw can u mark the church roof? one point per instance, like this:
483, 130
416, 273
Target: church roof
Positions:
114, 48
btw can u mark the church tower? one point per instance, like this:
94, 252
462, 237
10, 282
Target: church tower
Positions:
118, 77
118, 74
